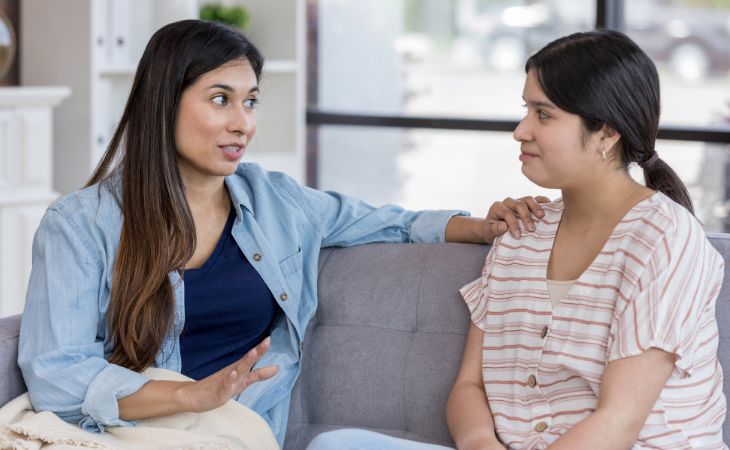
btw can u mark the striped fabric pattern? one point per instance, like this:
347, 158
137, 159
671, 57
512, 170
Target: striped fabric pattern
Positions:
654, 284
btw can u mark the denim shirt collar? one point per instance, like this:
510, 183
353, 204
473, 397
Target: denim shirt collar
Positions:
240, 196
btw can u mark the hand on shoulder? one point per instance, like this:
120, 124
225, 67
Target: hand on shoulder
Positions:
504, 216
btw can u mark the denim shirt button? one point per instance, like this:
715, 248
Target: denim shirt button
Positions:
257, 257
283, 297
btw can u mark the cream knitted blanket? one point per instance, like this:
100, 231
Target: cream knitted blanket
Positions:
232, 426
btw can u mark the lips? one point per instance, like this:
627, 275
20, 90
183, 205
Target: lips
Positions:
524, 156
232, 151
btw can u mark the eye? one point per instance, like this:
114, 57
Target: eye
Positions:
542, 115
251, 102
220, 100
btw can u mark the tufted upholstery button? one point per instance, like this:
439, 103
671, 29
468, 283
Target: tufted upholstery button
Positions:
257, 257
532, 381
541, 426
283, 297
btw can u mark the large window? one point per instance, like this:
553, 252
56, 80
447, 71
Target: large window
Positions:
423, 75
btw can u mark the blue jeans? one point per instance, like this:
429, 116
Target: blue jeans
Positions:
354, 439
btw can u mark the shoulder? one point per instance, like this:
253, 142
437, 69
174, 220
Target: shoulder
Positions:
539, 240
93, 214
679, 237
90, 198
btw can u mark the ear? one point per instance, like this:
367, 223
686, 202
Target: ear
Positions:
608, 137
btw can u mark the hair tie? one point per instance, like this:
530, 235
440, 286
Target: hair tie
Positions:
651, 161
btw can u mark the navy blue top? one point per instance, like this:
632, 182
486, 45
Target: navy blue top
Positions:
228, 309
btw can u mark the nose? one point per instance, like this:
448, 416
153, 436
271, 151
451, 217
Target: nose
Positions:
522, 132
242, 121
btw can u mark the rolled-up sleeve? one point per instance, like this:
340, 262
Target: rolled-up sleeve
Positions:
61, 349
346, 221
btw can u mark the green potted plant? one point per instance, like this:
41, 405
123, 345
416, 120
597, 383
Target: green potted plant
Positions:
234, 16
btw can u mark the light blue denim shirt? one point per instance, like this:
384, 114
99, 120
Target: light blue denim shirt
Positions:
64, 335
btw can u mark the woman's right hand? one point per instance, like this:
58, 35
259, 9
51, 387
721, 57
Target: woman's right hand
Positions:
215, 390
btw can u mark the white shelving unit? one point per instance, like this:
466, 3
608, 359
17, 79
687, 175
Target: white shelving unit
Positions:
26, 117
278, 28
93, 46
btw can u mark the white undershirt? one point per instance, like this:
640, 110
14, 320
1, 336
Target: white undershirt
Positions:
558, 289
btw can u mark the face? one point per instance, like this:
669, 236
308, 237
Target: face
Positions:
552, 150
216, 120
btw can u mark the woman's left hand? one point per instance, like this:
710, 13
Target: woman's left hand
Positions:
503, 216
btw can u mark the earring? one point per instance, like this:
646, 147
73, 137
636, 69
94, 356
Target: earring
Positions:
604, 154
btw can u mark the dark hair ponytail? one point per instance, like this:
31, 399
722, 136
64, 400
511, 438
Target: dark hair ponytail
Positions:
606, 79
660, 177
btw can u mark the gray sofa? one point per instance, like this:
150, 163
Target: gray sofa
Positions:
386, 343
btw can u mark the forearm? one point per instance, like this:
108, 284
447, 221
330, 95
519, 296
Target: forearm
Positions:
154, 399
469, 418
602, 430
465, 229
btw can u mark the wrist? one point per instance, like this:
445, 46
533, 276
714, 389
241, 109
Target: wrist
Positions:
465, 229
181, 397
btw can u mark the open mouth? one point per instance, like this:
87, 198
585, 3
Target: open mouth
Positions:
232, 152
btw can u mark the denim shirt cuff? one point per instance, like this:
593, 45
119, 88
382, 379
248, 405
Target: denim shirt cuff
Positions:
100, 407
430, 226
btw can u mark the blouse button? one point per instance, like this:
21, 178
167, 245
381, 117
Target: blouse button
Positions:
532, 381
257, 257
283, 297
544, 332
541, 426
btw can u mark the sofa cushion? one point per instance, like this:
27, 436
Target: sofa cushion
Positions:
386, 342
722, 312
11, 381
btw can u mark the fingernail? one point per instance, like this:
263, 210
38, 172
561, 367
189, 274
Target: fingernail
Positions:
531, 227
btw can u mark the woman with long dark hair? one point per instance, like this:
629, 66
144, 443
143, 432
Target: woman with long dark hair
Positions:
597, 329
177, 256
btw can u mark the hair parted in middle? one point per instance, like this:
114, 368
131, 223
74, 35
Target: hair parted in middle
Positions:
140, 167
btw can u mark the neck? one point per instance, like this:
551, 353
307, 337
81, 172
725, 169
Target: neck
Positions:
206, 195
601, 198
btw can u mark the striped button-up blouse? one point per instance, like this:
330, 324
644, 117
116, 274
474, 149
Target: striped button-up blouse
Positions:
654, 284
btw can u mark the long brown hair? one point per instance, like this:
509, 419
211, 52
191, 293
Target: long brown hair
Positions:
140, 166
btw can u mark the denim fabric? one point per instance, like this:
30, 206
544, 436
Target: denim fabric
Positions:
65, 337
356, 439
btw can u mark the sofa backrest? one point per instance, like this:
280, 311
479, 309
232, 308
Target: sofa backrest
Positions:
11, 382
387, 340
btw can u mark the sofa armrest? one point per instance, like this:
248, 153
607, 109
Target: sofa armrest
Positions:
12, 384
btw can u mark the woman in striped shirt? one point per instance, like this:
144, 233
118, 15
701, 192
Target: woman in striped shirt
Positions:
595, 330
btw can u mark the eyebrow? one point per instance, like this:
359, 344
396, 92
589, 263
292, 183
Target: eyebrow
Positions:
228, 88
536, 104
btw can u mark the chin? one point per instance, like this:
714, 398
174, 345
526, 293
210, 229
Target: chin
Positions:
539, 179
229, 168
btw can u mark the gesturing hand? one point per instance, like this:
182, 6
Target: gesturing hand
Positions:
215, 390
503, 216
